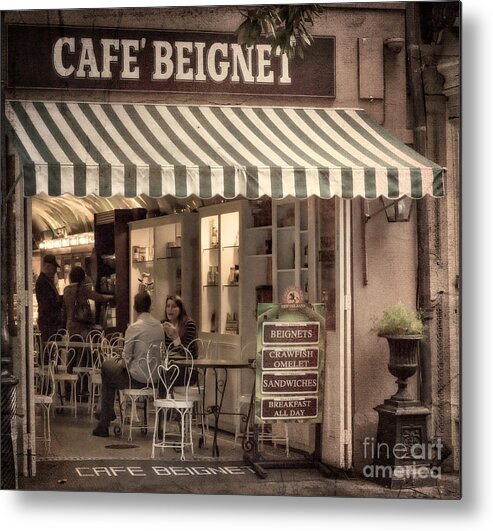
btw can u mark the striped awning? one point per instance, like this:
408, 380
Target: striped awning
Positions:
182, 150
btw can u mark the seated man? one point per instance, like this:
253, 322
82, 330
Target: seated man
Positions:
114, 374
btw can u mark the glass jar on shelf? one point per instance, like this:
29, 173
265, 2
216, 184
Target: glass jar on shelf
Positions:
214, 237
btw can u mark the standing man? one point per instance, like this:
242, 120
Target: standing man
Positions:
120, 373
50, 316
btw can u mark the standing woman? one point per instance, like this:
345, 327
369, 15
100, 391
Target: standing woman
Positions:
80, 290
180, 331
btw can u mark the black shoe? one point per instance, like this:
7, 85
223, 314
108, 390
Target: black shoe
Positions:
100, 431
97, 416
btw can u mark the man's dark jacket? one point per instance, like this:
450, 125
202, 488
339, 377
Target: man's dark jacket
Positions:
50, 318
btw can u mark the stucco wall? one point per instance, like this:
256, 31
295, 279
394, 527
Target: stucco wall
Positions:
391, 272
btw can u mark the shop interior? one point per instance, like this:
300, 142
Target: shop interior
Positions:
197, 249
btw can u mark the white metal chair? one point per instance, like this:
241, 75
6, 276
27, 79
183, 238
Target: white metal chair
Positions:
147, 367
100, 350
64, 380
109, 347
274, 433
45, 353
196, 391
83, 364
44, 397
117, 342
41, 362
168, 373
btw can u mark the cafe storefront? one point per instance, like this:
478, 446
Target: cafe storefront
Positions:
266, 173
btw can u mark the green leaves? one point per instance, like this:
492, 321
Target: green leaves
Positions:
399, 320
284, 26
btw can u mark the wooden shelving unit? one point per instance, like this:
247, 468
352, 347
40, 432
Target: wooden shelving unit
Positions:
111, 243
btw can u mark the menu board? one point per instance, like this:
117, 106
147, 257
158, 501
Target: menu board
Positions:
290, 362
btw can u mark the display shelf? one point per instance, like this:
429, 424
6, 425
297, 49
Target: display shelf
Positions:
293, 248
259, 228
172, 244
286, 228
221, 260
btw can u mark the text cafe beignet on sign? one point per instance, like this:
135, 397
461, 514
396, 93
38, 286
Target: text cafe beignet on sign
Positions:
149, 60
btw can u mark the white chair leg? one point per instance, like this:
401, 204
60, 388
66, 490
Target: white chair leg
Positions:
183, 430
154, 435
91, 403
74, 394
90, 391
165, 419
133, 413
191, 434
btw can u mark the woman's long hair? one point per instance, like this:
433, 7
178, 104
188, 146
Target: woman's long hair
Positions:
182, 316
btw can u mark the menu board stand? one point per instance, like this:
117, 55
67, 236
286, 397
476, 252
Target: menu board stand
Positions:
289, 377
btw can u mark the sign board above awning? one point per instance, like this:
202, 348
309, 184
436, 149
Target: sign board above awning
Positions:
158, 60
180, 150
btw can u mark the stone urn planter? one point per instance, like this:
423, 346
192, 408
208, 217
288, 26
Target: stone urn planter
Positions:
403, 361
403, 329
402, 420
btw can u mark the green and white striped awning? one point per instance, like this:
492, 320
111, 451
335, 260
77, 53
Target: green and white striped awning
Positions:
183, 150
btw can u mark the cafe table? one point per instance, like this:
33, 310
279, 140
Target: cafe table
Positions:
220, 368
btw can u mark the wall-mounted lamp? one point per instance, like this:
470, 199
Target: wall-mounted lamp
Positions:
395, 209
399, 210
394, 44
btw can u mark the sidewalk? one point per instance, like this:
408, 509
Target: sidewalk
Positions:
80, 462
213, 477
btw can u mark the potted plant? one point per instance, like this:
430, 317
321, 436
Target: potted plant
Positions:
403, 329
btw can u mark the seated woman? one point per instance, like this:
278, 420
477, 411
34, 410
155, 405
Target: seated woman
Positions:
180, 331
